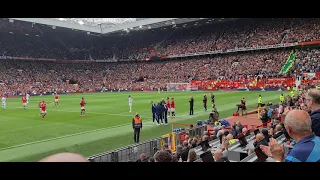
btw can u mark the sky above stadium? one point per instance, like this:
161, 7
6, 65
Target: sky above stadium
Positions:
99, 21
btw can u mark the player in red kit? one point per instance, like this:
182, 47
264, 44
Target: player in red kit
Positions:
169, 106
83, 110
40, 104
24, 102
43, 109
56, 99
172, 107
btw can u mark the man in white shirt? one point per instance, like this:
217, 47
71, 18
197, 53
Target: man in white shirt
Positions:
4, 102
27, 96
130, 103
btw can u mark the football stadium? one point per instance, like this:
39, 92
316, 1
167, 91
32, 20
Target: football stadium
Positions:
160, 89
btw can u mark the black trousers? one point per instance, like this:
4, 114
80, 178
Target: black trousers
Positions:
136, 135
159, 117
166, 117
154, 117
191, 110
205, 106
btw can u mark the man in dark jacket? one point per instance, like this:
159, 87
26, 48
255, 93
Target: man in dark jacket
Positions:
153, 108
313, 103
191, 101
165, 116
159, 113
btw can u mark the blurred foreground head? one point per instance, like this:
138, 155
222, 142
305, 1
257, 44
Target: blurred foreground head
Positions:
64, 157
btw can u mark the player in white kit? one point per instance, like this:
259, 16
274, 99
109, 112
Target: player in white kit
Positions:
130, 103
27, 97
4, 102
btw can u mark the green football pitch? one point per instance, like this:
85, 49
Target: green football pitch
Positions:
25, 136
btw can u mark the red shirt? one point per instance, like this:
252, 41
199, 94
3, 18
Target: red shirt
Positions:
57, 97
43, 106
82, 103
172, 104
168, 104
24, 100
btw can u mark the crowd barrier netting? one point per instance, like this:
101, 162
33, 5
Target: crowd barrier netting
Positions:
150, 147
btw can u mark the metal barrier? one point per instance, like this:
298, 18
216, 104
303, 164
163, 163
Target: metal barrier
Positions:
104, 157
132, 152
198, 131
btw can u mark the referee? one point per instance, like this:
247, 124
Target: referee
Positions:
137, 126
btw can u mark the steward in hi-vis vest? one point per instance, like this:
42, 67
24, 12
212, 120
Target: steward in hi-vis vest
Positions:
281, 98
259, 101
136, 125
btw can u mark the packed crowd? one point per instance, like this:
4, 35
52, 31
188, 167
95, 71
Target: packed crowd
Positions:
30, 76
307, 61
301, 129
24, 39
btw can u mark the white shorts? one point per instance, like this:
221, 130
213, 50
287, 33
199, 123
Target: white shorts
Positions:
24, 104
56, 100
82, 108
40, 109
3, 104
27, 99
43, 112
172, 109
130, 104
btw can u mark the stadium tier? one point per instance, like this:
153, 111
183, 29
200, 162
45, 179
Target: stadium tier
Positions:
88, 88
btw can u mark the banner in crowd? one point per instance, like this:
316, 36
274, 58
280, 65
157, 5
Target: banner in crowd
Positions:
251, 83
309, 75
309, 43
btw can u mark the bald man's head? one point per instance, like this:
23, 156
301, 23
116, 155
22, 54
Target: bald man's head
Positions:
217, 154
244, 130
298, 121
259, 137
65, 157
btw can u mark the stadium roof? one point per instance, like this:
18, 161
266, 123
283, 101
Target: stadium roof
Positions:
110, 25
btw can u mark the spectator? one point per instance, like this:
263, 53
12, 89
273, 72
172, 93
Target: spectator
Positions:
185, 151
192, 156
266, 135
313, 103
298, 125
278, 131
163, 156
143, 158
245, 132
260, 139
166, 148
219, 157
